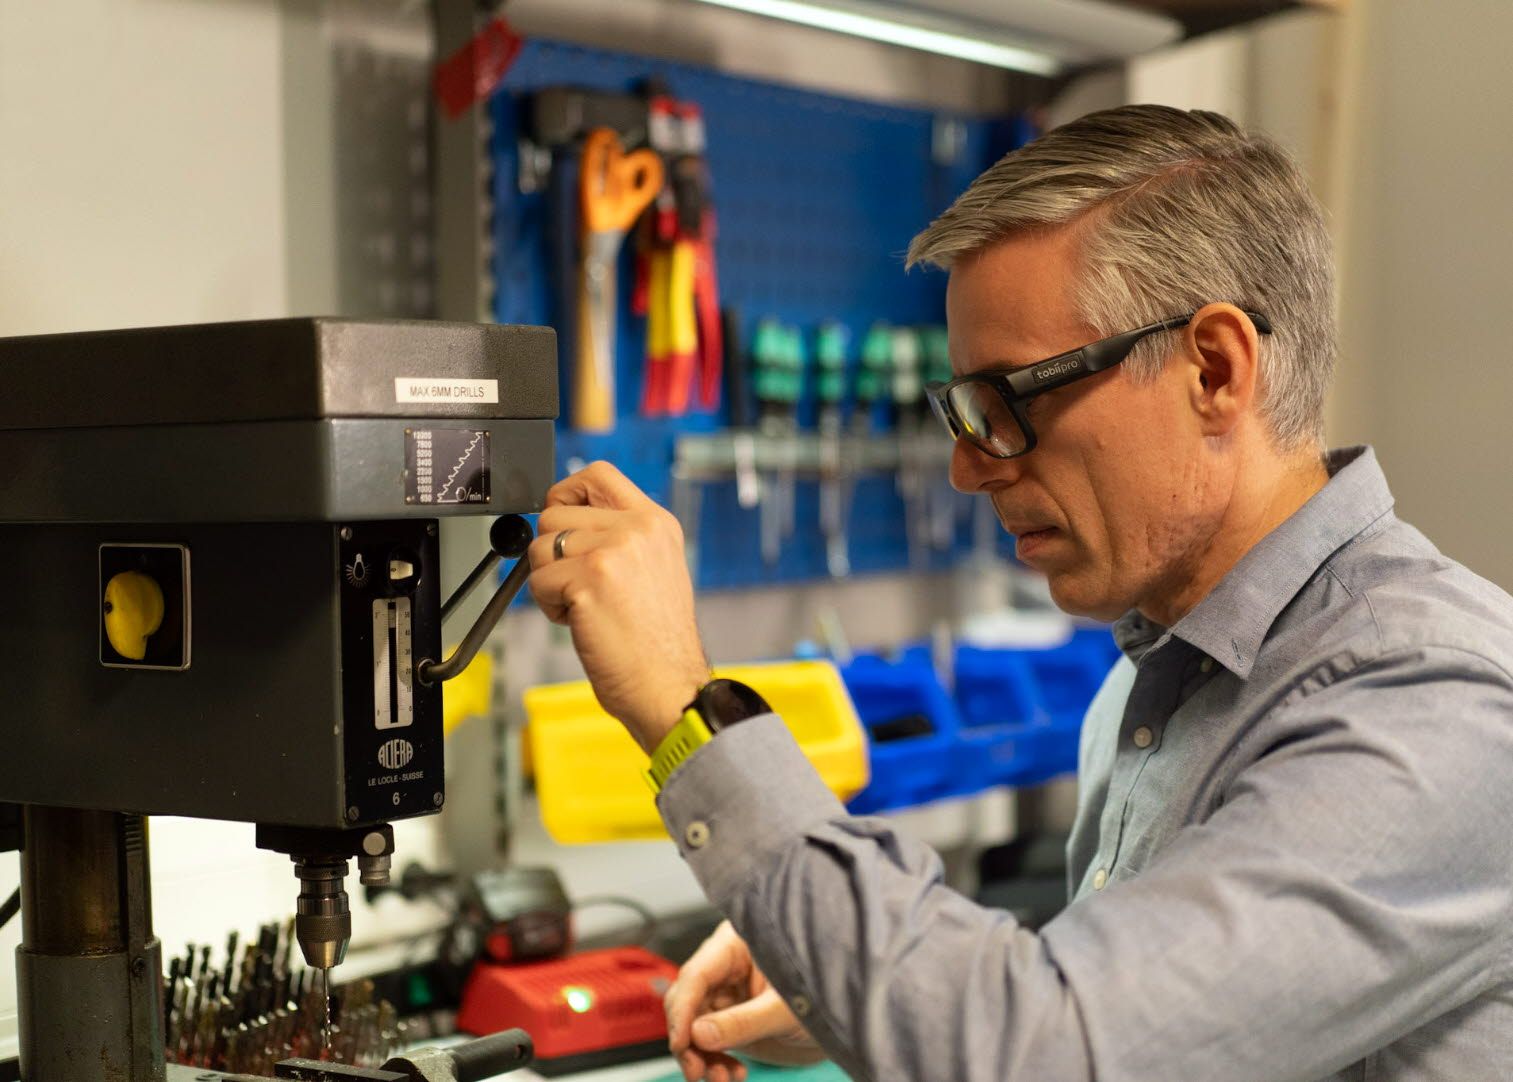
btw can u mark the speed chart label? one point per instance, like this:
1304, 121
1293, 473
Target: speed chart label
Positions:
446, 465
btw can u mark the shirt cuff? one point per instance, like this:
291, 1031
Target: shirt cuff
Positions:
740, 800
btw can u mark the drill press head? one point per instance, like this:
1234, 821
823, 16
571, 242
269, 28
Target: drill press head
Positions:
242, 572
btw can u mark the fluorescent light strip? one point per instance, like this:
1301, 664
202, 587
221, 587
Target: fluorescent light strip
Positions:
895, 32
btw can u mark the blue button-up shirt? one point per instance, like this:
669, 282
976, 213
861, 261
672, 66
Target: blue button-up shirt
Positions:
1293, 856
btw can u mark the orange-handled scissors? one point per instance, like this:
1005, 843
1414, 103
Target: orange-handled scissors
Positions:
614, 188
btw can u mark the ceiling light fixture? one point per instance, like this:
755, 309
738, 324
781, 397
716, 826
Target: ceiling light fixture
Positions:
910, 28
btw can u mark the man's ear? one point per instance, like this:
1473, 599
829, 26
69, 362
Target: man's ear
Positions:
1223, 356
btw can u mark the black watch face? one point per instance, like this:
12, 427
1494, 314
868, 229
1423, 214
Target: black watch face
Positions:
722, 703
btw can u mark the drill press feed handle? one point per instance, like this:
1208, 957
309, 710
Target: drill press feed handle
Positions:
509, 537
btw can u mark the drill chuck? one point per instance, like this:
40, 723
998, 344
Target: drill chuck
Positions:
322, 918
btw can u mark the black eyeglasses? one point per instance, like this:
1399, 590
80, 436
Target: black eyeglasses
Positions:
988, 408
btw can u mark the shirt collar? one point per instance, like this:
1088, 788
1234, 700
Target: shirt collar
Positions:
1231, 623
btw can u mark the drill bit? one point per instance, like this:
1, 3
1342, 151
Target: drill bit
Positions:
229, 971
285, 945
170, 996
325, 1032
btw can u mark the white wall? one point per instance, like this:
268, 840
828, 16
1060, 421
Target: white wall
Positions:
140, 174
1430, 266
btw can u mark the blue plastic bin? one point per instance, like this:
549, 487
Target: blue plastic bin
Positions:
1014, 718
1023, 708
908, 770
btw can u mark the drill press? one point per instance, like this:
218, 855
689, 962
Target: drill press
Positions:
223, 601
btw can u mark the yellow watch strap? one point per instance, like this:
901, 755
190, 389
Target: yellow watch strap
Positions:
689, 735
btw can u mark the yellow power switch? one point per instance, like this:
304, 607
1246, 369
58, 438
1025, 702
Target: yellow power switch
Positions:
133, 611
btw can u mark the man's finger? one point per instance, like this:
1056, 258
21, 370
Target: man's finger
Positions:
722, 1068
556, 589
680, 1004
565, 516
596, 485
761, 1017
719, 960
580, 541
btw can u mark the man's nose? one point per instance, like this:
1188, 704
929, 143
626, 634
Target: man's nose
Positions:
972, 470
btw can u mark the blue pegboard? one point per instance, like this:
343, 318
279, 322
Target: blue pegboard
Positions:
817, 197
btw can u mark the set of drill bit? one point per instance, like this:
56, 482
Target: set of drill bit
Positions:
244, 1017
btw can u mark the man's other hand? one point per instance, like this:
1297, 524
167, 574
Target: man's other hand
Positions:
618, 579
722, 1003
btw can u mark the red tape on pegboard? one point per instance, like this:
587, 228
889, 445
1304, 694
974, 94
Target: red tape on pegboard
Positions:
470, 74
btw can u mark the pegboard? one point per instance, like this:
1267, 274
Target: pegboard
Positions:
817, 197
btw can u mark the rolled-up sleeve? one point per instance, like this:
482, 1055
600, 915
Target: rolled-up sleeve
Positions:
1354, 882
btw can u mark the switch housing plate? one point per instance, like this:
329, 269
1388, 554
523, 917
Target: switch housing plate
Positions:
168, 648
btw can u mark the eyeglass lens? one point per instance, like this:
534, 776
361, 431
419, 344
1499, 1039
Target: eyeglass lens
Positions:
985, 419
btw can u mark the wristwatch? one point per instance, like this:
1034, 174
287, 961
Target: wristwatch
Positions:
718, 705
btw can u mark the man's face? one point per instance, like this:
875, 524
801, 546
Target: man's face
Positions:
1118, 499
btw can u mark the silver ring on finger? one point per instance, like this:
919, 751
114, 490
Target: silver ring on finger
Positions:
558, 542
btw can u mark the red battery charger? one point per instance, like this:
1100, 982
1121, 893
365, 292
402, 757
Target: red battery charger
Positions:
584, 1011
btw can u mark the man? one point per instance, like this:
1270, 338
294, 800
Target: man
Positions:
1293, 856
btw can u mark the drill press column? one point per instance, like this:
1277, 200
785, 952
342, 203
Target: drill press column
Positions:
89, 971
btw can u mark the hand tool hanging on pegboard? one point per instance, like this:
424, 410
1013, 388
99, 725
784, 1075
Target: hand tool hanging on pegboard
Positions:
697, 218
562, 120
614, 187
677, 289
831, 346
777, 359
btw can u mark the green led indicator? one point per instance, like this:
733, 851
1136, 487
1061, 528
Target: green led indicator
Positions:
579, 999
420, 991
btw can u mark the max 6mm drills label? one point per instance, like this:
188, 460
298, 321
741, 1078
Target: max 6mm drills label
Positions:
446, 465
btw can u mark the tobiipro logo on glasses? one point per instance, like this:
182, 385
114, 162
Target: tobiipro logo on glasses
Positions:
1053, 371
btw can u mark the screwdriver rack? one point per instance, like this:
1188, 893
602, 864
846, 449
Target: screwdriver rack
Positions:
722, 456
768, 472
817, 197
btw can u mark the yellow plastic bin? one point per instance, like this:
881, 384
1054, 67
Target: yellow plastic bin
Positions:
589, 771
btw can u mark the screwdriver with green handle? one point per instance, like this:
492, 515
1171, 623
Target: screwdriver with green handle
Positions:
795, 360
908, 400
935, 344
777, 358
831, 344
873, 376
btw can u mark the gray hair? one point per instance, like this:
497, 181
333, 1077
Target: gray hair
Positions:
1179, 209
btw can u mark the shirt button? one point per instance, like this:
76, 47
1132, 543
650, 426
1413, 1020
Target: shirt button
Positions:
1100, 878
697, 834
1207, 664
801, 1006
1143, 737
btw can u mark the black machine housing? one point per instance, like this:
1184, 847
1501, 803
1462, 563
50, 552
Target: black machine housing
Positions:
296, 470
